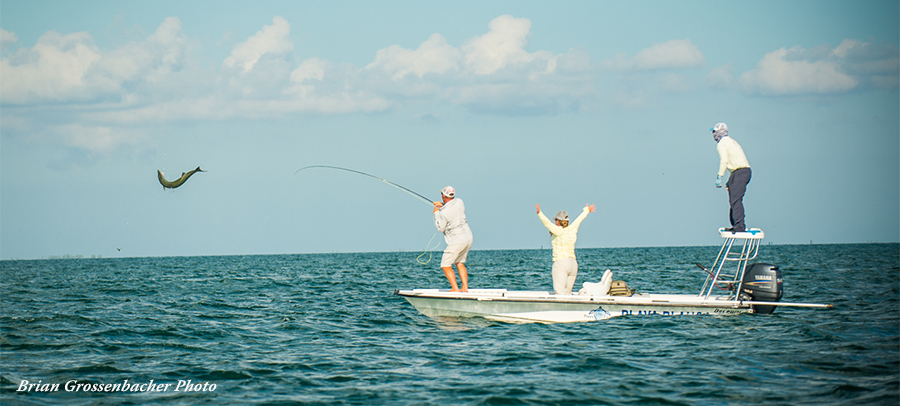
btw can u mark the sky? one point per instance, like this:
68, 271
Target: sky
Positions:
514, 103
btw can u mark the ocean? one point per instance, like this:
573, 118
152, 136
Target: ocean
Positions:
327, 329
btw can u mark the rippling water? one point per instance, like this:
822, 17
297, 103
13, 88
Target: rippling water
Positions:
327, 329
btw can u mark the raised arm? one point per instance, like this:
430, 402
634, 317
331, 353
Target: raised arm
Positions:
588, 208
554, 229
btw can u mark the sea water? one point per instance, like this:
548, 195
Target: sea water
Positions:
326, 329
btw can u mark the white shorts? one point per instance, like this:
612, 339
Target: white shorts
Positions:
456, 253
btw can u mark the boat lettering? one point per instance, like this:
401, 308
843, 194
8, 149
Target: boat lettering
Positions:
663, 313
727, 311
763, 277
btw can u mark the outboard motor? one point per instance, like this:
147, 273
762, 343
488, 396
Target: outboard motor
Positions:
762, 283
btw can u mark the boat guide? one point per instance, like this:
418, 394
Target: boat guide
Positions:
740, 287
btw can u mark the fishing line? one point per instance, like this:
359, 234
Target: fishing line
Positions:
428, 248
371, 176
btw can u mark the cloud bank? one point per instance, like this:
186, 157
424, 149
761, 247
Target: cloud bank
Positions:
160, 79
674, 54
823, 70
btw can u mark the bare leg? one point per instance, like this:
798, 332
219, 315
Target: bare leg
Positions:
448, 272
463, 276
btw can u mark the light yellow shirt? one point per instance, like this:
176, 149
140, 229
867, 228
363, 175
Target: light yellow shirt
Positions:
563, 239
731, 155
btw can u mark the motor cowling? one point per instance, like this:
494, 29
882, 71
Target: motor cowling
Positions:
762, 283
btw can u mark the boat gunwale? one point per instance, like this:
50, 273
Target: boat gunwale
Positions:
589, 300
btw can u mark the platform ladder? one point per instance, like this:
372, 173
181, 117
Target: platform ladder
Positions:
720, 274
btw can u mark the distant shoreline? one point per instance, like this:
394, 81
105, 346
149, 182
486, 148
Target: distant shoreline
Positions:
411, 252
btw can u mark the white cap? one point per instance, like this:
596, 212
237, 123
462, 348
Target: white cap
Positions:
448, 191
561, 216
720, 127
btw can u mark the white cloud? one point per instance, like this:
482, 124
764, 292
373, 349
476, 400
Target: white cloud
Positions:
494, 64
64, 68
502, 46
7, 37
877, 64
271, 39
313, 68
674, 54
150, 61
851, 65
779, 73
434, 55
52, 70
171, 45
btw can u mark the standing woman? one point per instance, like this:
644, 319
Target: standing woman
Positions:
563, 236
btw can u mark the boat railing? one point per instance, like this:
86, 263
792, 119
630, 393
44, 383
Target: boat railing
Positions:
733, 275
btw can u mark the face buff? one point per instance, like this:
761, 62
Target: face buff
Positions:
719, 131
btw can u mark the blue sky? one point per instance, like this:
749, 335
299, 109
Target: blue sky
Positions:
513, 103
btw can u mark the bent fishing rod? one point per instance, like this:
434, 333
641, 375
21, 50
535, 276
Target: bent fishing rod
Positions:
371, 176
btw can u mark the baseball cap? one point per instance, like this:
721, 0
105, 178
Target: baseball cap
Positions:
448, 191
562, 215
720, 127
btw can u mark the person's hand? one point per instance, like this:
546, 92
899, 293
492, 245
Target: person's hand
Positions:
591, 208
538, 207
437, 206
718, 181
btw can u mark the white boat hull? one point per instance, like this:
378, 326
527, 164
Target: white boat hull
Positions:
763, 282
544, 307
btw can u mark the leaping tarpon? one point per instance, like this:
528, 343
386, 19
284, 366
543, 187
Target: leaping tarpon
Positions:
177, 182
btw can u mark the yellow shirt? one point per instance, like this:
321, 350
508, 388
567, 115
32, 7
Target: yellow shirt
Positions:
731, 155
563, 239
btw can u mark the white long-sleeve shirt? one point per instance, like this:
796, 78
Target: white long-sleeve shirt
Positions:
563, 239
451, 220
731, 155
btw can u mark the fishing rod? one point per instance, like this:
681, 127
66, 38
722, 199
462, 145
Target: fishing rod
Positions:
727, 287
371, 176
428, 247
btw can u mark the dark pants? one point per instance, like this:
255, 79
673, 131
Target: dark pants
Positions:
737, 186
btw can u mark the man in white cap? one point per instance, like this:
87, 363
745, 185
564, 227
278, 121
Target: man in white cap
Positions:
450, 219
732, 158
